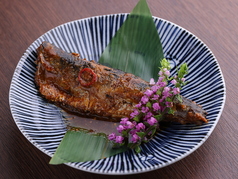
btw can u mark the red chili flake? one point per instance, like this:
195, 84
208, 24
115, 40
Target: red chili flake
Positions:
87, 77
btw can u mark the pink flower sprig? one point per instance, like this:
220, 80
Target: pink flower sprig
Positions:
143, 122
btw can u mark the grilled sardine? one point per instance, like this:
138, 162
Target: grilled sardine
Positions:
93, 90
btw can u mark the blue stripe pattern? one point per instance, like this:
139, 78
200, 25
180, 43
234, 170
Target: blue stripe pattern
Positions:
41, 123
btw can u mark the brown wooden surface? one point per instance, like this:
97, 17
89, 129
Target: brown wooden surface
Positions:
215, 22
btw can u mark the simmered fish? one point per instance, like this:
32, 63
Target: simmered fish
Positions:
93, 90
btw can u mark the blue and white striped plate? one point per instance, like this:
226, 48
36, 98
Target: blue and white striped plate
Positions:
41, 123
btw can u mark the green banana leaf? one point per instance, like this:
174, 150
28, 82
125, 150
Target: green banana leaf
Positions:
135, 48
80, 147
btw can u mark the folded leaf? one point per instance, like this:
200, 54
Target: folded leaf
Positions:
80, 147
136, 47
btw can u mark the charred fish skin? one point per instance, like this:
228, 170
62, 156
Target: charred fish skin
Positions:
187, 112
110, 94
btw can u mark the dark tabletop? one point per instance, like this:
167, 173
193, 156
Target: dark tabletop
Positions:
215, 22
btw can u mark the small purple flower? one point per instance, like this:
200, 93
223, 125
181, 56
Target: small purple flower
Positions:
130, 125
162, 99
152, 81
144, 99
120, 128
112, 136
161, 78
144, 109
148, 115
183, 79
166, 93
166, 89
134, 113
176, 91
152, 121
148, 92
140, 126
162, 84
167, 73
173, 82
155, 88
155, 97
156, 106
134, 131
135, 138
138, 105
119, 139
124, 120
160, 73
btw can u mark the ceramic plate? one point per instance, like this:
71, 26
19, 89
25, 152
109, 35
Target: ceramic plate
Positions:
41, 123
